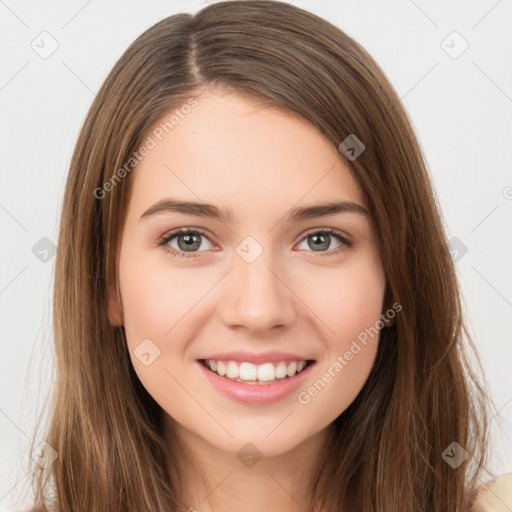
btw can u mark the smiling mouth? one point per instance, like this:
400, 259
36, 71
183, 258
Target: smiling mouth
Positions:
264, 374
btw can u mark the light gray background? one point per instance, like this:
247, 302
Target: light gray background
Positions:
460, 106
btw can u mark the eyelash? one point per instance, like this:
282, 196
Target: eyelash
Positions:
163, 241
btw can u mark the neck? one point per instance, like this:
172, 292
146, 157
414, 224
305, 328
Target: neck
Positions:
215, 480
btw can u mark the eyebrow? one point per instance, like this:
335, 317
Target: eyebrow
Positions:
226, 214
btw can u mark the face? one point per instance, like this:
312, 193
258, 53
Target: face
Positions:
254, 290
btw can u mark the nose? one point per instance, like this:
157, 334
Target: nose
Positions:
257, 296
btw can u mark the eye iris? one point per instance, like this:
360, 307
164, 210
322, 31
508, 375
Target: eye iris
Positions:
324, 244
190, 240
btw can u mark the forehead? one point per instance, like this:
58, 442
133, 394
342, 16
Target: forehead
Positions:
233, 151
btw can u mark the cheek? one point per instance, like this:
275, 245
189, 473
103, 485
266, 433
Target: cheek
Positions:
163, 304
347, 300
157, 297
349, 303
157, 305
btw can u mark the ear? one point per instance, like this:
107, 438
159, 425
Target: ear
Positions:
115, 310
388, 322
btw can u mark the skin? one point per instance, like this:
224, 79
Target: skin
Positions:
261, 162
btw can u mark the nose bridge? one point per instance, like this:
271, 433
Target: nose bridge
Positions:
257, 297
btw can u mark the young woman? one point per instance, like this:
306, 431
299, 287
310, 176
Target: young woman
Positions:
255, 305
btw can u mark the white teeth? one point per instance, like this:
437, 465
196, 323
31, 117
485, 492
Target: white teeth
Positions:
292, 369
266, 372
221, 368
250, 372
281, 370
232, 370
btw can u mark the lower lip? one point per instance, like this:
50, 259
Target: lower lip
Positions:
256, 393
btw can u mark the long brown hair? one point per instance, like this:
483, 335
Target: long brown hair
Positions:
386, 451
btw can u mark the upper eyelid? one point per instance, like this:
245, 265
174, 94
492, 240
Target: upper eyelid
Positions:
183, 231
330, 231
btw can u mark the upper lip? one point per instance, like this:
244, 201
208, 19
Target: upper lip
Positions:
262, 357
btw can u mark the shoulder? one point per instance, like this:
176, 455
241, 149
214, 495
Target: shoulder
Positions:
495, 496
